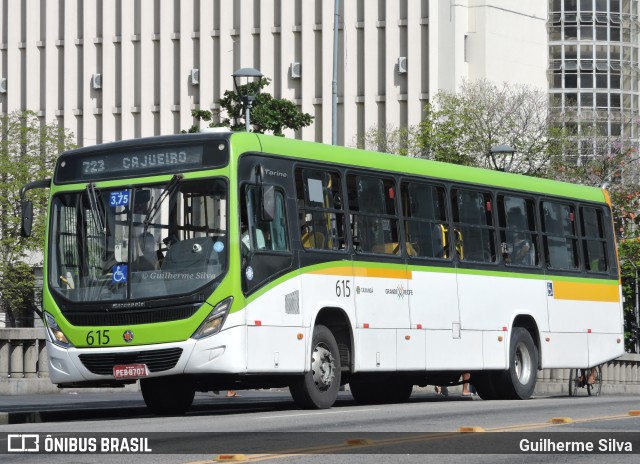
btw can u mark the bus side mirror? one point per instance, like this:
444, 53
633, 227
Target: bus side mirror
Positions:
27, 218
267, 202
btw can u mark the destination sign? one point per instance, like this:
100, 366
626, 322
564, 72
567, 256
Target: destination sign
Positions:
133, 162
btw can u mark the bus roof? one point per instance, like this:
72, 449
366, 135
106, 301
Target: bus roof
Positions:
421, 167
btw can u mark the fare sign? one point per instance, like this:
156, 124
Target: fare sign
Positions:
130, 371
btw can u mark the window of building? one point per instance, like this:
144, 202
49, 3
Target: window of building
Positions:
586, 99
560, 241
426, 225
473, 226
586, 81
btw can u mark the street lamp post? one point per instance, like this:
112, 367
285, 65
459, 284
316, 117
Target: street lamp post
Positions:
249, 94
503, 150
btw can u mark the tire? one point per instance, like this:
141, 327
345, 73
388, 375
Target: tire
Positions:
519, 380
373, 389
318, 388
365, 389
399, 391
485, 384
168, 395
596, 388
574, 379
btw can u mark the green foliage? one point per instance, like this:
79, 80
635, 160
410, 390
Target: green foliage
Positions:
462, 127
629, 253
268, 114
28, 150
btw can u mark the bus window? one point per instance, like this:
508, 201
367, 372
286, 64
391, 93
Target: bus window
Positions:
374, 223
517, 226
265, 235
473, 224
320, 211
424, 209
559, 235
594, 242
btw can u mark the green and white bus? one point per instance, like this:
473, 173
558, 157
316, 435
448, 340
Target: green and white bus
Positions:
220, 260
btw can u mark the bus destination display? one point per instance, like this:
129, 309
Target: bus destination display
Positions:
136, 162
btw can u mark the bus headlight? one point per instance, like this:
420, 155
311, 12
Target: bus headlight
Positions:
57, 335
213, 323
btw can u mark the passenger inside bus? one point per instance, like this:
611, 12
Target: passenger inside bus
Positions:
518, 250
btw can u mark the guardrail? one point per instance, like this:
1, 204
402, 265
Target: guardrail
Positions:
24, 368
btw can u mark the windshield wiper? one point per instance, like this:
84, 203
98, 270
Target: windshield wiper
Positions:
95, 209
167, 192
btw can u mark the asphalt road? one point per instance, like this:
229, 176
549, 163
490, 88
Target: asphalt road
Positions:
266, 425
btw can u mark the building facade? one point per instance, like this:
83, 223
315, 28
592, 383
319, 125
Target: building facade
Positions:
117, 69
593, 69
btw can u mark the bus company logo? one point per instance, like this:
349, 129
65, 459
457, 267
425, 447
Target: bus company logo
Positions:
23, 443
360, 290
127, 336
399, 290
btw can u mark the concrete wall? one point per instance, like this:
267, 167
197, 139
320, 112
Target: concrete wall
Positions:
24, 369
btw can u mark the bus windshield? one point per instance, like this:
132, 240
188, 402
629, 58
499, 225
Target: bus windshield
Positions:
151, 241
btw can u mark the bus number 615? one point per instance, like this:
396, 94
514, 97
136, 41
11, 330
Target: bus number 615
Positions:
343, 289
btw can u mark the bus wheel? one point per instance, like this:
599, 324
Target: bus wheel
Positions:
519, 381
375, 390
485, 384
366, 389
398, 391
167, 395
318, 388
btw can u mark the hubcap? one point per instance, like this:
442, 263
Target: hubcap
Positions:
322, 367
523, 363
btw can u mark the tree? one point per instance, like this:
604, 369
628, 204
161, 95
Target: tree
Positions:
28, 150
461, 127
629, 252
465, 125
268, 114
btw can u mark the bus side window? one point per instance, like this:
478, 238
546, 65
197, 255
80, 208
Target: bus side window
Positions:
594, 242
473, 220
320, 213
372, 211
424, 210
517, 228
261, 235
559, 235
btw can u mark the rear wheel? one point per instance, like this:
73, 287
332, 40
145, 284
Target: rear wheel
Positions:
485, 384
374, 389
318, 388
168, 395
519, 380
595, 388
575, 382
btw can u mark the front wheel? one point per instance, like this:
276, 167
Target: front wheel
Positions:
168, 395
519, 380
318, 388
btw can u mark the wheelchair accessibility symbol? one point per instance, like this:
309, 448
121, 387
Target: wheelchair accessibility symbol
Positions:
119, 273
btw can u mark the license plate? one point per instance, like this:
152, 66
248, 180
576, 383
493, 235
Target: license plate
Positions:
130, 371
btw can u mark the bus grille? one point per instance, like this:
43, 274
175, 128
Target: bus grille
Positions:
156, 360
82, 319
